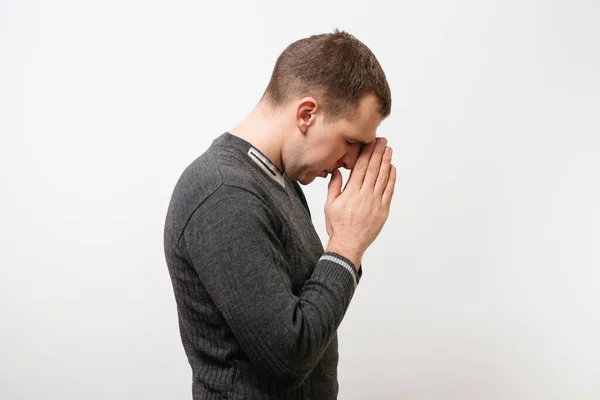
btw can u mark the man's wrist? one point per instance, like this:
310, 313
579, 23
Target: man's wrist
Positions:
353, 256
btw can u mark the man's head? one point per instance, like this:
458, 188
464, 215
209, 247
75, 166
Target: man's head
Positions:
332, 94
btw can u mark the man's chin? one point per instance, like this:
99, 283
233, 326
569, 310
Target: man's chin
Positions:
305, 180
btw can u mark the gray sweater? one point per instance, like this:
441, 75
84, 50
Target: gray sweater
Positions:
259, 302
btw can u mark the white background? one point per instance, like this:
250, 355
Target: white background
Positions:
485, 281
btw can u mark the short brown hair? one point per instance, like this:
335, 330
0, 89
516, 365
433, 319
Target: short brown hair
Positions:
336, 68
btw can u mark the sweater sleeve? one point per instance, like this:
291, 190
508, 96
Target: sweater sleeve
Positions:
234, 248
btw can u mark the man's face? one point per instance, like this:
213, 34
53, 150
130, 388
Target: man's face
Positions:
329, 146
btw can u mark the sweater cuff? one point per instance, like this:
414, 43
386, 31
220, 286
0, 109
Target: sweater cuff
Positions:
344, 262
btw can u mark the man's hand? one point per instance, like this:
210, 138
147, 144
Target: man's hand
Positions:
355, 216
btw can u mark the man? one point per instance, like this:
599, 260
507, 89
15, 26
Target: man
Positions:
259, 300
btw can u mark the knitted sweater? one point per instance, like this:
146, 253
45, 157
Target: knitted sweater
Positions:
258, 300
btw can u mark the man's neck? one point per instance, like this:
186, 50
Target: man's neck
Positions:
264, 132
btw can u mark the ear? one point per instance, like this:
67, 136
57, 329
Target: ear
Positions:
306, 111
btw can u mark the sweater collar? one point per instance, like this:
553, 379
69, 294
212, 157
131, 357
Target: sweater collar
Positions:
256, 156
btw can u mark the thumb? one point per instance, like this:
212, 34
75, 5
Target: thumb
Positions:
335, 186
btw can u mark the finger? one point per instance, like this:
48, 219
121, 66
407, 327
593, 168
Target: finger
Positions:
384, 172
374, 165
389, 189
357, 175
335, 186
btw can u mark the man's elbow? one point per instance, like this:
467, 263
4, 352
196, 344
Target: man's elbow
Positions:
293, 380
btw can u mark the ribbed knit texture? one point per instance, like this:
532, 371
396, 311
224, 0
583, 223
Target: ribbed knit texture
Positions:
258, 300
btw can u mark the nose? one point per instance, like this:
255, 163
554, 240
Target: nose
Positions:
350, 158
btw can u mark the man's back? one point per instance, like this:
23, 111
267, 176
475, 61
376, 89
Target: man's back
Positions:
259, 302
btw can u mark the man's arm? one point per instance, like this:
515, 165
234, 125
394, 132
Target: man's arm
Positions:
234, 248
